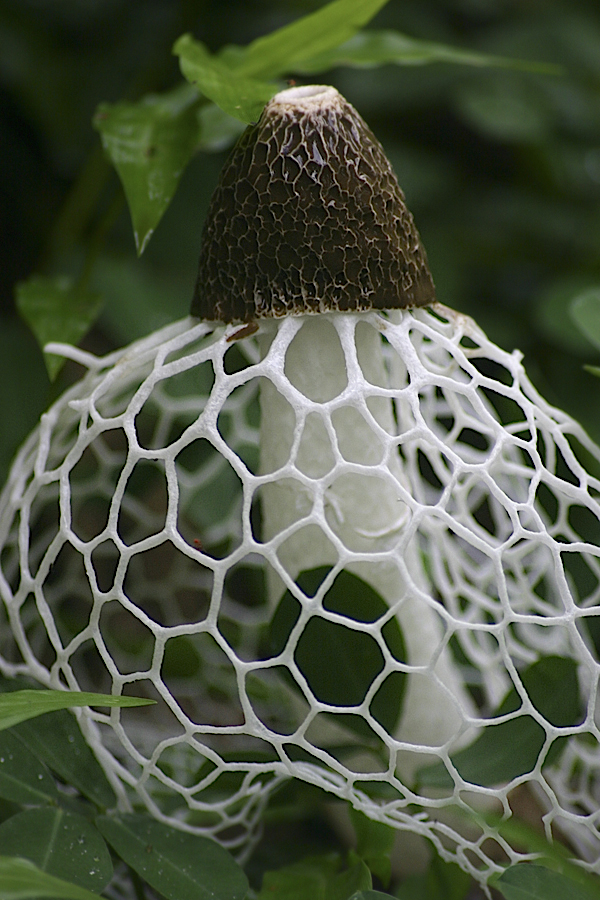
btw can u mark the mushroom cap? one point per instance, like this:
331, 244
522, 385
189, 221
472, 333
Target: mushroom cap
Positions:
308, 217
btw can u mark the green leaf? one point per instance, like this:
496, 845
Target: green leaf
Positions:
236, 93
18, 706
593, 370
356, 877
585, 311
150, 143
57, 310
239, 79
339, 662
180, 866
381, 867
316, 878
374, 844
60, 843
441, 881
57, 740
553, 687
23, 777
21, 879
377, 48
285, 50
510, 749
372, 838
529, 882
554, 855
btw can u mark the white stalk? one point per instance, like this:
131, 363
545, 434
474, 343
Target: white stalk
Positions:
365, 511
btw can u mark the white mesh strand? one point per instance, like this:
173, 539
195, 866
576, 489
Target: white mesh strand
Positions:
154, 519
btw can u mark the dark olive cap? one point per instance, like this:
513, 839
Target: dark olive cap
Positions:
308, 217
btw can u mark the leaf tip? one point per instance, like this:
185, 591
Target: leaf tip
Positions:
183, 41
141, 240
54, 364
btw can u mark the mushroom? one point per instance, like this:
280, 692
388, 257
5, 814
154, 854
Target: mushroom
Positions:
422, 519
308, 220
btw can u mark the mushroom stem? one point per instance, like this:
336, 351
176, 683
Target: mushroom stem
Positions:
329, 414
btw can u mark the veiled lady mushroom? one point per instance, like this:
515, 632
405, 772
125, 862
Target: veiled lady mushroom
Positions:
308, 219
354, 547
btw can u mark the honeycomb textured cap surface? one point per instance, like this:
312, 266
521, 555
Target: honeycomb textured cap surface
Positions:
308, 217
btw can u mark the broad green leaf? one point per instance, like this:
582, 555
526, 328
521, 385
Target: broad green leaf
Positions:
377, 48
441, 881
180, 866
239, 79
555, 855
18, 706
316, 878
380, 866
553, 687
150, 143
525, 881
372, 838
61, 843
23, 777
284, 50
374, 844
585, 311
57, 740
510, 749
21, 879
57, 310
309, 878
339, 662
235, 92
356, 877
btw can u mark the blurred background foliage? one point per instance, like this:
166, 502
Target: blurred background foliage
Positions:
500, 167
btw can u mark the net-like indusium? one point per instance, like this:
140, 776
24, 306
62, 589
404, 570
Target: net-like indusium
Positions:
356, 549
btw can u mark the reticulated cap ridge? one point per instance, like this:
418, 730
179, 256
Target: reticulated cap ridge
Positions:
308, 217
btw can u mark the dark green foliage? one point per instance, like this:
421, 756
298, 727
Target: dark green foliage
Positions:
338, 661
530, 882
180, 866
509, 749
51, 849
